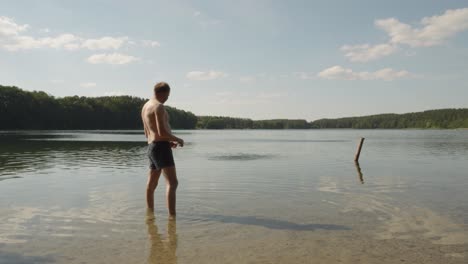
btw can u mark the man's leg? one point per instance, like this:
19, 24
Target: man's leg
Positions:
171, 186
153, 179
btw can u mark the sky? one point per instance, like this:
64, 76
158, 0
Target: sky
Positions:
253, 59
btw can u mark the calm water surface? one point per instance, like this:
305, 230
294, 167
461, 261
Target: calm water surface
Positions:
288, 196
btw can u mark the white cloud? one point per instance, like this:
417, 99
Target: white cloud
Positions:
13, 38
8, 27
205, 76
366, 52
113, 58
340, 73
104, 43
151, 43
63, 41
88, 84
435, 30
196, 13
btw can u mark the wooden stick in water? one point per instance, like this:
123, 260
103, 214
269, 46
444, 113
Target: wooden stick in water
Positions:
356, 158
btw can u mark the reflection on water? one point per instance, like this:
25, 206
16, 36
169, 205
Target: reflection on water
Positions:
272, 223
162, 248
2, 178
360, 175
18, 156
18, 258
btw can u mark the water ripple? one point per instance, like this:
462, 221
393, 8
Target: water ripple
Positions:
241, 156
29, 156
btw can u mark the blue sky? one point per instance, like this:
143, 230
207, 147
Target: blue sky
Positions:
255, 59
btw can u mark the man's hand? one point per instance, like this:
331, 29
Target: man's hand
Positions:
173, 144
180, 142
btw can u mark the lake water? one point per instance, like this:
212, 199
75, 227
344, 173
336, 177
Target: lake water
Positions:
248, 196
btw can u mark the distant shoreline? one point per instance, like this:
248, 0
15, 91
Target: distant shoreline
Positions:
24, 110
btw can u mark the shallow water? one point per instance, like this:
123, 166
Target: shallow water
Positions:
249, 196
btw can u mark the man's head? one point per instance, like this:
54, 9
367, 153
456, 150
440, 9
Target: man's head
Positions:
161, 91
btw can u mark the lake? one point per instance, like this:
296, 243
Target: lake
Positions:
244, 196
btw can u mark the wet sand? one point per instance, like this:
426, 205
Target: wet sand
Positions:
363, 231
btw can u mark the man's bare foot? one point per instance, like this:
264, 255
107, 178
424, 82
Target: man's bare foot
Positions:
150, 215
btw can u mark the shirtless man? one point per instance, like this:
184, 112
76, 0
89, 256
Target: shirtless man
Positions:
160, 144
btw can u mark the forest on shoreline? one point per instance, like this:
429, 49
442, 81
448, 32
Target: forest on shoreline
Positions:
21, 109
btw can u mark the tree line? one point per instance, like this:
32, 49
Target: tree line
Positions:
435, 119
431, 119
21, 109
220, 122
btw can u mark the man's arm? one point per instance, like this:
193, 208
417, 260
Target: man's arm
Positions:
160, 122
146, 129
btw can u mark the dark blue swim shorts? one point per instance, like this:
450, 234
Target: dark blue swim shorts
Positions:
160, 155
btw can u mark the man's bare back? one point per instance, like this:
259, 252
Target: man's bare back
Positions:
149, 115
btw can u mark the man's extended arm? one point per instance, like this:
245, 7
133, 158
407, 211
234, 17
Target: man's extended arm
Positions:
146, 129
162, 131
